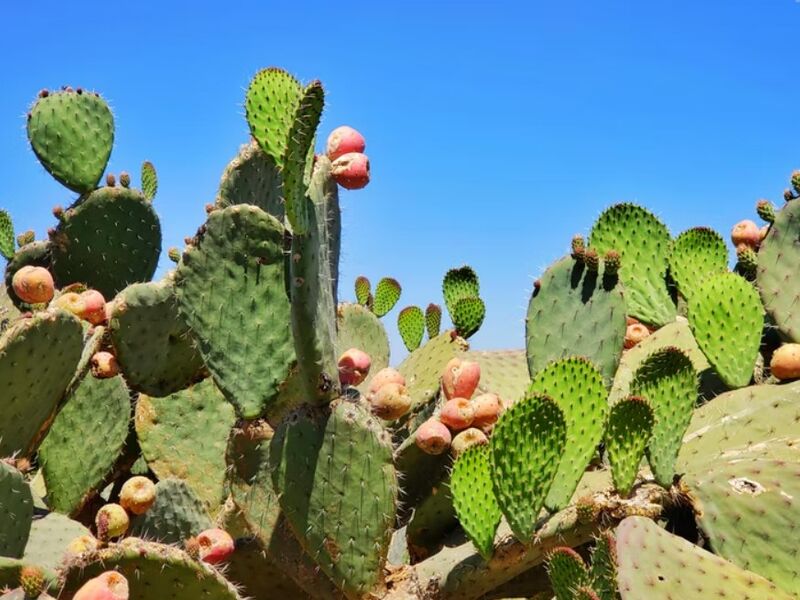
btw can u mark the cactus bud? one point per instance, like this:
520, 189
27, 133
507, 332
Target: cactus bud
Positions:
796, 181
787, 195
125, 179
111, 181
174, 254
592, 260
26, 237
748, 261
44, 93
766, 210
31, 580
613, 261
578, 247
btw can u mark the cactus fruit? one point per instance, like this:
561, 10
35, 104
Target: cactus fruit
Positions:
354, 366
487, 408
33, 285
32, 582
351, 170
457, 413
460, 378
634, 334
137, 495
93, 307
104, 365
745, 233
214, 545
71, 302
785, 363
384, 376
111, 522
106, 586
344, 140
390, 402
471, 436
433, 437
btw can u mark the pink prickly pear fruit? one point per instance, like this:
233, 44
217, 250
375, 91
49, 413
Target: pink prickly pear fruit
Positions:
71, 302
785, 363
457, 414
110, 585
746, 233
111, 521
390, 402
466, 439
104, 365
94, 307
634, 334
137, 495
214, 546
384, 376
432, 437
344, 140
33, 285
487, 409
351, 170
460, 378
354, 366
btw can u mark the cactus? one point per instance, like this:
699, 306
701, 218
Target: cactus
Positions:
17, 503
411, 325
695, 255
630, 424
473, 498
6, 236
387, 293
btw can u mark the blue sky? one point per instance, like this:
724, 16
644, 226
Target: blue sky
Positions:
495, 130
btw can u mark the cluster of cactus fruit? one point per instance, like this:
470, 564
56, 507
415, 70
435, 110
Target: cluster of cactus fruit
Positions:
233, 430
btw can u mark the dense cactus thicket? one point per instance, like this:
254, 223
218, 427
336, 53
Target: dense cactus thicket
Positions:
235, 429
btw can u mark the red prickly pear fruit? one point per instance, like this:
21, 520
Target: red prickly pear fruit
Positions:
214, 546
460, 378
466, 439
351, 170
111, 521
104, 365
354, 366
785, 363
71, 302
487, 409
94, 307
33, 285
110, 585
457, 414
634, 334
390, 402
344, 140
384, 376
137, 495
432, 437
746, 232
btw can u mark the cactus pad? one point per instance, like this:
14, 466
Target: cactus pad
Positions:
695, 255
230, 290
363, 290
423, 368
727, 319
149, 181
16, 512
669, 383
433, 320
6, 235
468, 315
84, 442
167, 429
643, 243
567, 572
175, 516
576, 386
527, 444
411, 325
630, 424
360, 328
503, 372
576, 312
252, 178
657, 565
108, 240
72, 133
38, 357
457, 284
151, 340
387, 293
604, 566
338, 489
473, 497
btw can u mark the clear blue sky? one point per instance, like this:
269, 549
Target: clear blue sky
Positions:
496, 130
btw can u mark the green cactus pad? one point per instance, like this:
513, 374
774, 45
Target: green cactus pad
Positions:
433, 320
643, 243
16, 512
271, 103
576, 386
695, 255
668, 381
8, 312
34, 254
149, 181
363, 290
49, 540
387, 293
175, 516
110, 239
411, 325
657, 565
457, 284
185, 435
84, 442
630, 424
71, 133
423, 368
338, 489
473, 497
567, 572
468, 315
256, 576
433, 518
151, 340
576, 312
360, 328
38, 357
747, 506
778, 258
252, 177
527, 444
230, 290
603, 571
503, 372
154, 572
6, 235
727, 319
